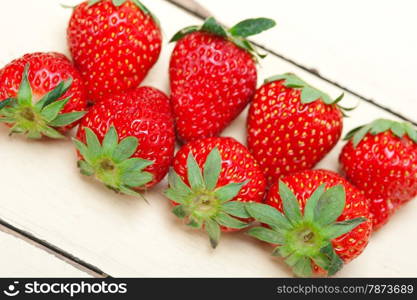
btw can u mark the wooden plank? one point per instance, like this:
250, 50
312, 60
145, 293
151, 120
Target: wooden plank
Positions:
366, 46
44, 194
18, 258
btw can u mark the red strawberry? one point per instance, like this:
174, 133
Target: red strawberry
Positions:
381, 159
292, 125
129, 138
213, 76
39, 93
114, 43
211, 180
317, 219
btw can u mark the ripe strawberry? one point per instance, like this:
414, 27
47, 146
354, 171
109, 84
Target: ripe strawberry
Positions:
381, 159
209, 183
129, 138
292, 125
41, 93
317, 219
212, 76
114, 43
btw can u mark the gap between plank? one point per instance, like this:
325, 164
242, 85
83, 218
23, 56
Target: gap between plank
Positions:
202, 13
57, 252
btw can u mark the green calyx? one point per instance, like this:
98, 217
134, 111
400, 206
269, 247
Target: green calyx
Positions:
202, 203
399, 129
40, 118
309, 93
111, 163
139, 4
237, 34
303, 239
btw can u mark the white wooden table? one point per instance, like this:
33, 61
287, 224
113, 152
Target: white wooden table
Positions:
59, 223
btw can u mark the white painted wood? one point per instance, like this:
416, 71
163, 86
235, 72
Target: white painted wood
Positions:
18, 258
43, 193
368, 46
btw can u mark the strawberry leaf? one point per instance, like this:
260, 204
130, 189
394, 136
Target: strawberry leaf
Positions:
85, 168
125, 149
66, 119
228, 221
330, 205
251, 27
335, 263
92, 2
360, 134
93, 144
268, 215
132, 178
136, 164
306, 238
228, 192
309, 95
51, 111
117, 3
212, 168
302, 267
38, 119
379, 126
236, 209
83, 149
411, 132
236, 35
179, 211
399, 129
205, 203
311, 204
195, 178
110, 141
24, 94
174, 195
266, 235
110, 162
6, 102
213, 231
147, 11
212, 26
47, 131
54, 94
183, 32
339, 228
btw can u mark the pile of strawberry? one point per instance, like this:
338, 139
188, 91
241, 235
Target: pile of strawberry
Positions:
316, 219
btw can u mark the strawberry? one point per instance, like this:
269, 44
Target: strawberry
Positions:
114, 43
41, 94
316, 219
381, 159
212, 76
211, 180
127, 140
292, 125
